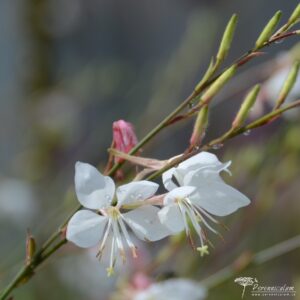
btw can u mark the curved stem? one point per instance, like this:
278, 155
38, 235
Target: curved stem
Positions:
254, 260
39, 258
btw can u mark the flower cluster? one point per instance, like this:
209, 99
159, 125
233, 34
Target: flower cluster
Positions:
196, 192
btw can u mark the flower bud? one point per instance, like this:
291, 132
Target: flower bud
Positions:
216, 86
268, 30
288, 85
245, 107
199, 127
30, 247
227, 38
124, 138
295, 15
210, 70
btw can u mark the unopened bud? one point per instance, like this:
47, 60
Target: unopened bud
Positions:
268, 30
217, 85
209, 72
199, 127
30, 247
295, 15
246, 107
227, 38
124, 138
288, 84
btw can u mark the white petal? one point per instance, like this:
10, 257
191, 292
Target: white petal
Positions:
145, 224
85, 228
136, 191
167, 179
219, 199
203, 176
201, 159
173, 289
171, 217
179, 193
93, 190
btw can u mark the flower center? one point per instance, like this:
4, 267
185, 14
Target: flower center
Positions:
113, 212
116, 227
194, 214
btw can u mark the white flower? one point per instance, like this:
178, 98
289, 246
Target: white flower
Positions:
173, 289
95, 191
196, 192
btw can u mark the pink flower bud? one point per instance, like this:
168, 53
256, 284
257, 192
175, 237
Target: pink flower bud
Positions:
124, 138
141, 281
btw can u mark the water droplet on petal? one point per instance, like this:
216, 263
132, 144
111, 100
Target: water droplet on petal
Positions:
246, 133
107, 197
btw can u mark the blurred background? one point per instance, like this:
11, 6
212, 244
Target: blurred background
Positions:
69, 68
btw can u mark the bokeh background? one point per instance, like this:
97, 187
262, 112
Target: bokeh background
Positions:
69, 68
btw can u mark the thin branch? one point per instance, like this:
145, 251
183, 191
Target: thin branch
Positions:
253, 260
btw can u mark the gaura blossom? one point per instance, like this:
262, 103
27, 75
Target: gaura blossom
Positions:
124, 137
196, 193
97, 192
173, 289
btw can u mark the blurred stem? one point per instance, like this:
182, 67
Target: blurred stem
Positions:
27, 271
255, 260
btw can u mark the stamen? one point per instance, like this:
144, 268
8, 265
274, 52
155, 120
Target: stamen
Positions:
127, 237
205, 223
110, 269
195, 223
119, 240
188, 233
182, 210
207, 214
102, 246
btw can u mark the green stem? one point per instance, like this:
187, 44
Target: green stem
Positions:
228, 135
256, 259
27, 271
38, 258
156, 130
268, 118
22, 273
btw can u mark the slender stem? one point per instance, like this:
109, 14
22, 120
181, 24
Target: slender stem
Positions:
52, 250
268, 118
239, 62
255, 260
156, 130
38, 258
28, 269
14, 283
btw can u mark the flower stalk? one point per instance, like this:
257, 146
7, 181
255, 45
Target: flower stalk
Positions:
213, 86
